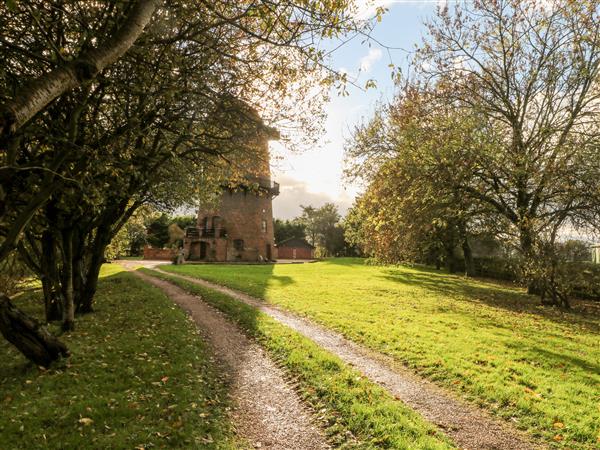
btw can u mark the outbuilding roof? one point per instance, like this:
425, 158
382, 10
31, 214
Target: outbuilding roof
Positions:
295, 242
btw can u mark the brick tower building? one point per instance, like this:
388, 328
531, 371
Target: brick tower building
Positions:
239, 227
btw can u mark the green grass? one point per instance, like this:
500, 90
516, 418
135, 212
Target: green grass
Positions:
139, 376
348, 401
493, 344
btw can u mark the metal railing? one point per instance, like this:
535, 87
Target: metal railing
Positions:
267, 184
197, 233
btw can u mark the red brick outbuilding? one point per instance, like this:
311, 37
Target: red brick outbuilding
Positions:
295, 248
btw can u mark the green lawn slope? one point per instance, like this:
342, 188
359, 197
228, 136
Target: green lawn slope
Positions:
539, 368
357, 413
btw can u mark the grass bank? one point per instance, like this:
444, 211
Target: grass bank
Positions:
492, 344
139, 377
346, 400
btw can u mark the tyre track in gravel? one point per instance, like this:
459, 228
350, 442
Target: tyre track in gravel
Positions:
268, 413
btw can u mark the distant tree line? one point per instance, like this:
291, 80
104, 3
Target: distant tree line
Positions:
322, 227
149, 227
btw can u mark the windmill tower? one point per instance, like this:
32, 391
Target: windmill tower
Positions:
239, 227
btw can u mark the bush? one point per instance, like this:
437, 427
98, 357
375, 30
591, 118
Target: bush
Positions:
498, 268
583, 277
585, 280
14, 275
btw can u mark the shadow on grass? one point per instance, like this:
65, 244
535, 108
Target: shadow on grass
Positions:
561, 359
254, 279
282, 280
122, 355
494, 295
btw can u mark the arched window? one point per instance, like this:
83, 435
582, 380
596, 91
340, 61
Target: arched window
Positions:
238, 245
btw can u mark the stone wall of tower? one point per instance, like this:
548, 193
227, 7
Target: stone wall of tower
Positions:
247, 218
244, 213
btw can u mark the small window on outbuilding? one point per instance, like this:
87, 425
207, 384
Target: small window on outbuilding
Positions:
238, 245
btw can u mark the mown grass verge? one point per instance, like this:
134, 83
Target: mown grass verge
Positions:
536, 367
347, 401
139, 376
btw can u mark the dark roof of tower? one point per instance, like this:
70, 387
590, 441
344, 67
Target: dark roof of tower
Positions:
250, 113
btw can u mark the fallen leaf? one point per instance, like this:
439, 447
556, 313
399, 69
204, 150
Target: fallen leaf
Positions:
559, 425
86, 421
532, 392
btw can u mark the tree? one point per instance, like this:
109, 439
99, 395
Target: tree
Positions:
165, 112
507, 97
158, 231
131, 239
409, 154
574, 250
34, 96
184, 222
322, 228
530, 70
287, 229
36, 87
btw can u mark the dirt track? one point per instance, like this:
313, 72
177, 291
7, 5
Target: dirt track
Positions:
468, 426
268, 413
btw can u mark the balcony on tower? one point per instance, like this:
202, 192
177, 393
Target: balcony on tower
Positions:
263, 185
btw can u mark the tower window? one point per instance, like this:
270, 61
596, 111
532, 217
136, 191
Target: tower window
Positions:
263, 226
238, 245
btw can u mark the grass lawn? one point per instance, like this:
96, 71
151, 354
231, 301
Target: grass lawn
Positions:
139, 377
339, 394
537, 367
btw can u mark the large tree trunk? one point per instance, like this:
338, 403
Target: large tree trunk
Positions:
450, 259
526, 240
105, 232
25, 333
52, 303
69, 306
85, 304
468, 254
49, 276
466, 248
35, 96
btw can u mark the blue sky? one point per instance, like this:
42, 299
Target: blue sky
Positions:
315, 177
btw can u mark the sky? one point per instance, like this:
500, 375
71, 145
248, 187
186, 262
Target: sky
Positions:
315, 177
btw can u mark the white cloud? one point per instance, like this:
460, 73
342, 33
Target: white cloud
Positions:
367, 61
350, 75
366, 9
294, 193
